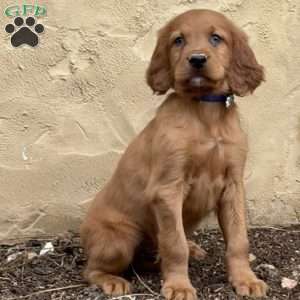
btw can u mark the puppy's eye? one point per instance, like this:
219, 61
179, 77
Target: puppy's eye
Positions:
179, 41
215, 39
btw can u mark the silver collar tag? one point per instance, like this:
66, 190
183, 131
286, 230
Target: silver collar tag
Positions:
229, 100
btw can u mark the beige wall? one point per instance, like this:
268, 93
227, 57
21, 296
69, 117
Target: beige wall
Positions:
69, 107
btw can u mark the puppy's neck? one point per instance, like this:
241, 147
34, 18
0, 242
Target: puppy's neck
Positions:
209, 112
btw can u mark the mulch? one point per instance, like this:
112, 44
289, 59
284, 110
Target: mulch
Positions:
57, 275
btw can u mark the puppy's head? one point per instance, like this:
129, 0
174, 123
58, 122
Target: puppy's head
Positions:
200, 52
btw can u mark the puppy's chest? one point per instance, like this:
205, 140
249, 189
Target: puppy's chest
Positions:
210, 156
203, 194
210, 159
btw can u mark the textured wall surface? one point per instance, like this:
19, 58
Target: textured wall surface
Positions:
69, 107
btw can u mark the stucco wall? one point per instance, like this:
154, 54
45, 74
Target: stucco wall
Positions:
69, 107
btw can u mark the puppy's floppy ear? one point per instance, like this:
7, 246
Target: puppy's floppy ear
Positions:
158, 74
244, 74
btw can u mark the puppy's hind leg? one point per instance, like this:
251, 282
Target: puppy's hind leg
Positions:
110, 250
196, 251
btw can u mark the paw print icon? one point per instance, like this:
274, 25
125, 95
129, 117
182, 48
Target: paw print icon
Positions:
24, 32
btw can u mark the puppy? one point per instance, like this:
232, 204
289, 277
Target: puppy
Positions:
186, 163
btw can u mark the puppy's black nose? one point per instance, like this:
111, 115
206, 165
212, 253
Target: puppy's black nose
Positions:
197, 60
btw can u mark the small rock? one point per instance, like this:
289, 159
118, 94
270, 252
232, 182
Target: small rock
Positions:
288, 283
252, 257
47, 248
13, 256
31, 255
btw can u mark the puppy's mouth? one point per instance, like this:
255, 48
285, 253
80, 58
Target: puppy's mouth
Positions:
195, 84
196, 81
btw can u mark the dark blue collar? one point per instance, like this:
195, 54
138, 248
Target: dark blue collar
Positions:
228, 99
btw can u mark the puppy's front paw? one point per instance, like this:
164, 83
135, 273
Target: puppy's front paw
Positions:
249, 285
179, 290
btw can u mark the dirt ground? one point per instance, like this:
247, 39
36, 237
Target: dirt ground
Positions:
25, 274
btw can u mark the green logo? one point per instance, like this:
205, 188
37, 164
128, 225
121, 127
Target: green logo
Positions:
25, 10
